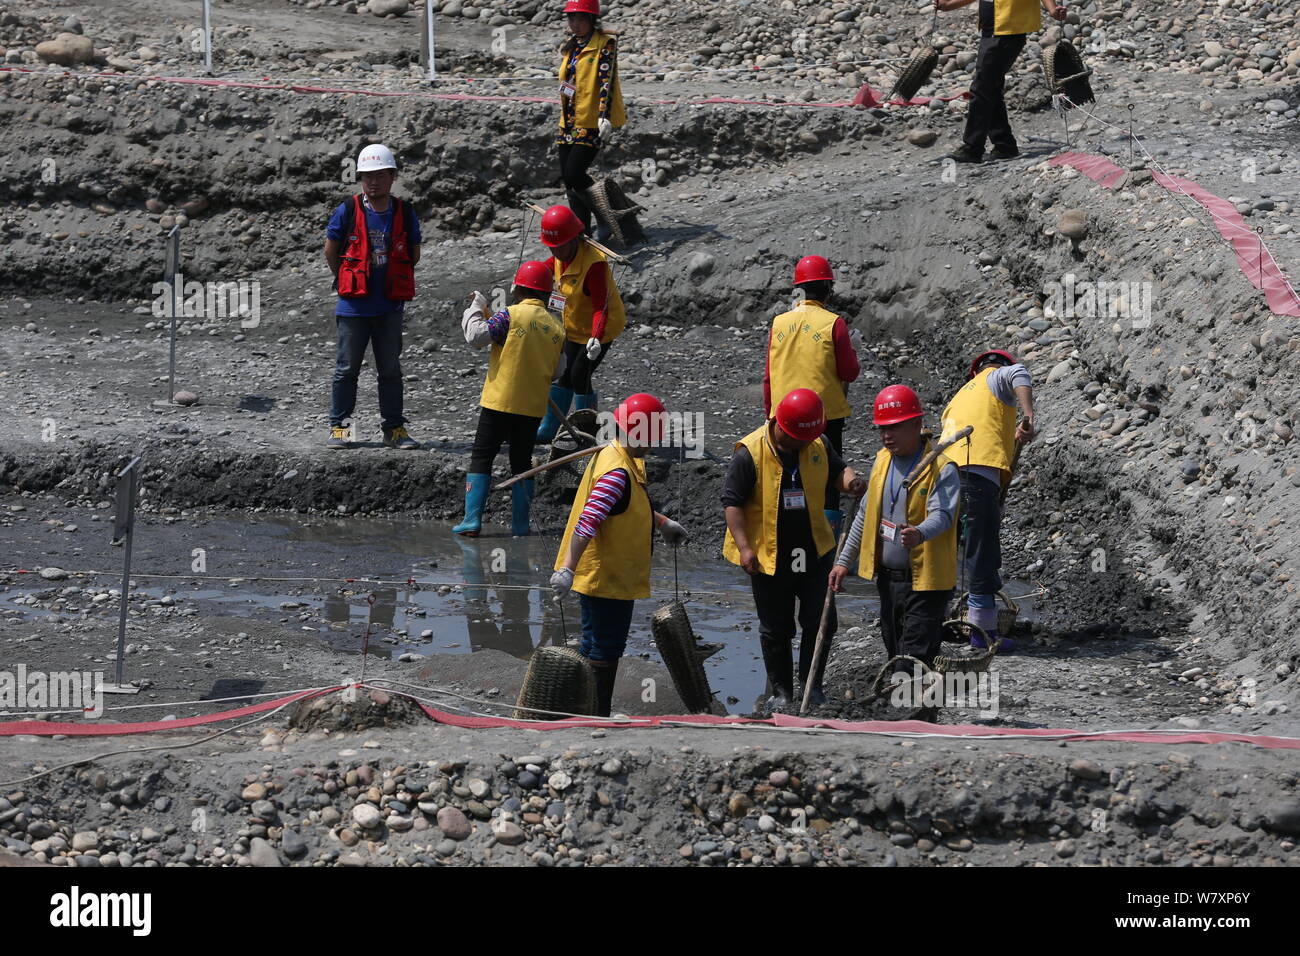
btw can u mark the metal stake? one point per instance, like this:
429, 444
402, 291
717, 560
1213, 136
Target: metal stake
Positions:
207, 36
428, 38
124, 527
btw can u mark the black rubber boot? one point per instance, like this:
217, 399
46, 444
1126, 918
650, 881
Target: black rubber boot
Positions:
606, 672
778, 659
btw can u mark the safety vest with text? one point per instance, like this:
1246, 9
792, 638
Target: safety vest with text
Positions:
578, 309
616, 562
354, 264
993, 442
801, 354
520, 368
586, 101
934, 562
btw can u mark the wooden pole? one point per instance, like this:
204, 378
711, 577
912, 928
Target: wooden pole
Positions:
610, 253
934, 453
548, 466
814, 672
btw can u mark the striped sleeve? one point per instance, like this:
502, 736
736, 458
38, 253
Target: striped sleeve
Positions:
605, 494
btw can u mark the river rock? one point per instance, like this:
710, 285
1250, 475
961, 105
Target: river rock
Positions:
453, 823
66, 49
1073, 224
367, 816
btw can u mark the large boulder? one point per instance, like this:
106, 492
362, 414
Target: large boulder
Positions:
66, 49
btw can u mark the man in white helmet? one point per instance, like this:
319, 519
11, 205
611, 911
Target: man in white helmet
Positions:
372, 245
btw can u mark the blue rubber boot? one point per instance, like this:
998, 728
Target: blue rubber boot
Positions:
521, 497
476, 492
585, 401
836, 518
551, 423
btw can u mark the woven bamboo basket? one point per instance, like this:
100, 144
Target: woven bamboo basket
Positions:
559, 682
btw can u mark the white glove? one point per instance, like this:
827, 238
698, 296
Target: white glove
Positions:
606, 129
480, 302
855, 339
561, 582
470, 314
673, 533
594, 348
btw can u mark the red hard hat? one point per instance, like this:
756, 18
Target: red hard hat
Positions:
894, 404
536, 276
801, 415
812, 269
640, 417
583, 6
975, 364
560, 225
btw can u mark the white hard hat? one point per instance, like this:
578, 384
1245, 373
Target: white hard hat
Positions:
375, 156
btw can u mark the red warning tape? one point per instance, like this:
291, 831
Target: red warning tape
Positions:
43, 728
1256, 262
866, 96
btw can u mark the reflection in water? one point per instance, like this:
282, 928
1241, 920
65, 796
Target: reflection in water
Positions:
510, 630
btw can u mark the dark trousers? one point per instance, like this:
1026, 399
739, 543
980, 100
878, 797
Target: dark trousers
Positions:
775, 596
987, 119
497, 428
835, 436
911, 622
605, 626
981, 517
384, 334
578, 368
574, 161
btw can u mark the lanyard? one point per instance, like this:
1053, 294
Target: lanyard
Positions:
893, 495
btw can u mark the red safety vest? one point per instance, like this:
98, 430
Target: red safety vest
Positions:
354, 269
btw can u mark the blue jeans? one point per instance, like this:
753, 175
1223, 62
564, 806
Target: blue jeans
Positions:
384, 334
605, 623
981, 513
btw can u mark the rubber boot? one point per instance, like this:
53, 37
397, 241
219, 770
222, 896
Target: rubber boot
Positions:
836, 518
606, 672
778, 660
476, 492
521, 498
551, 423
585, 401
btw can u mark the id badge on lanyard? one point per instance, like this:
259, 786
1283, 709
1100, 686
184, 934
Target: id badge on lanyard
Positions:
792, 499
888, 532
568, 90
556, 302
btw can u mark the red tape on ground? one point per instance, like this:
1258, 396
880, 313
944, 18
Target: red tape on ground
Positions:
94, 729
1256, 262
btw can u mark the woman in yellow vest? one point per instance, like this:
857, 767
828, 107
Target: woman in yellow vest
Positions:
1004, 25
778, 532
591, 102
605, 552
996, 382
587, 295
907, 537
526, 345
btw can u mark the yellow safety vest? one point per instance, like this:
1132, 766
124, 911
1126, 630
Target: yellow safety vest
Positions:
764, 502
1017, 16
934, 562
616, 562
993, 443
586, 101
577, 304
520, 369
801, 354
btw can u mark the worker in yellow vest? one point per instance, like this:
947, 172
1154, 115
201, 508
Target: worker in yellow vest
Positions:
526, 343
605, 553
995, 384
1004, 26
905, 539
591, 104
811, 347
777, 531
588, 297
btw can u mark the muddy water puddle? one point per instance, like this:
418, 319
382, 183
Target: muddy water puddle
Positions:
421, 590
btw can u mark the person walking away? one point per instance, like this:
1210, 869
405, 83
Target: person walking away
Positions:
587, 295
996, 382
591, 104
812, 347
372, 244
1004, 26
605, 553
905, 538
778, 532
526, 353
